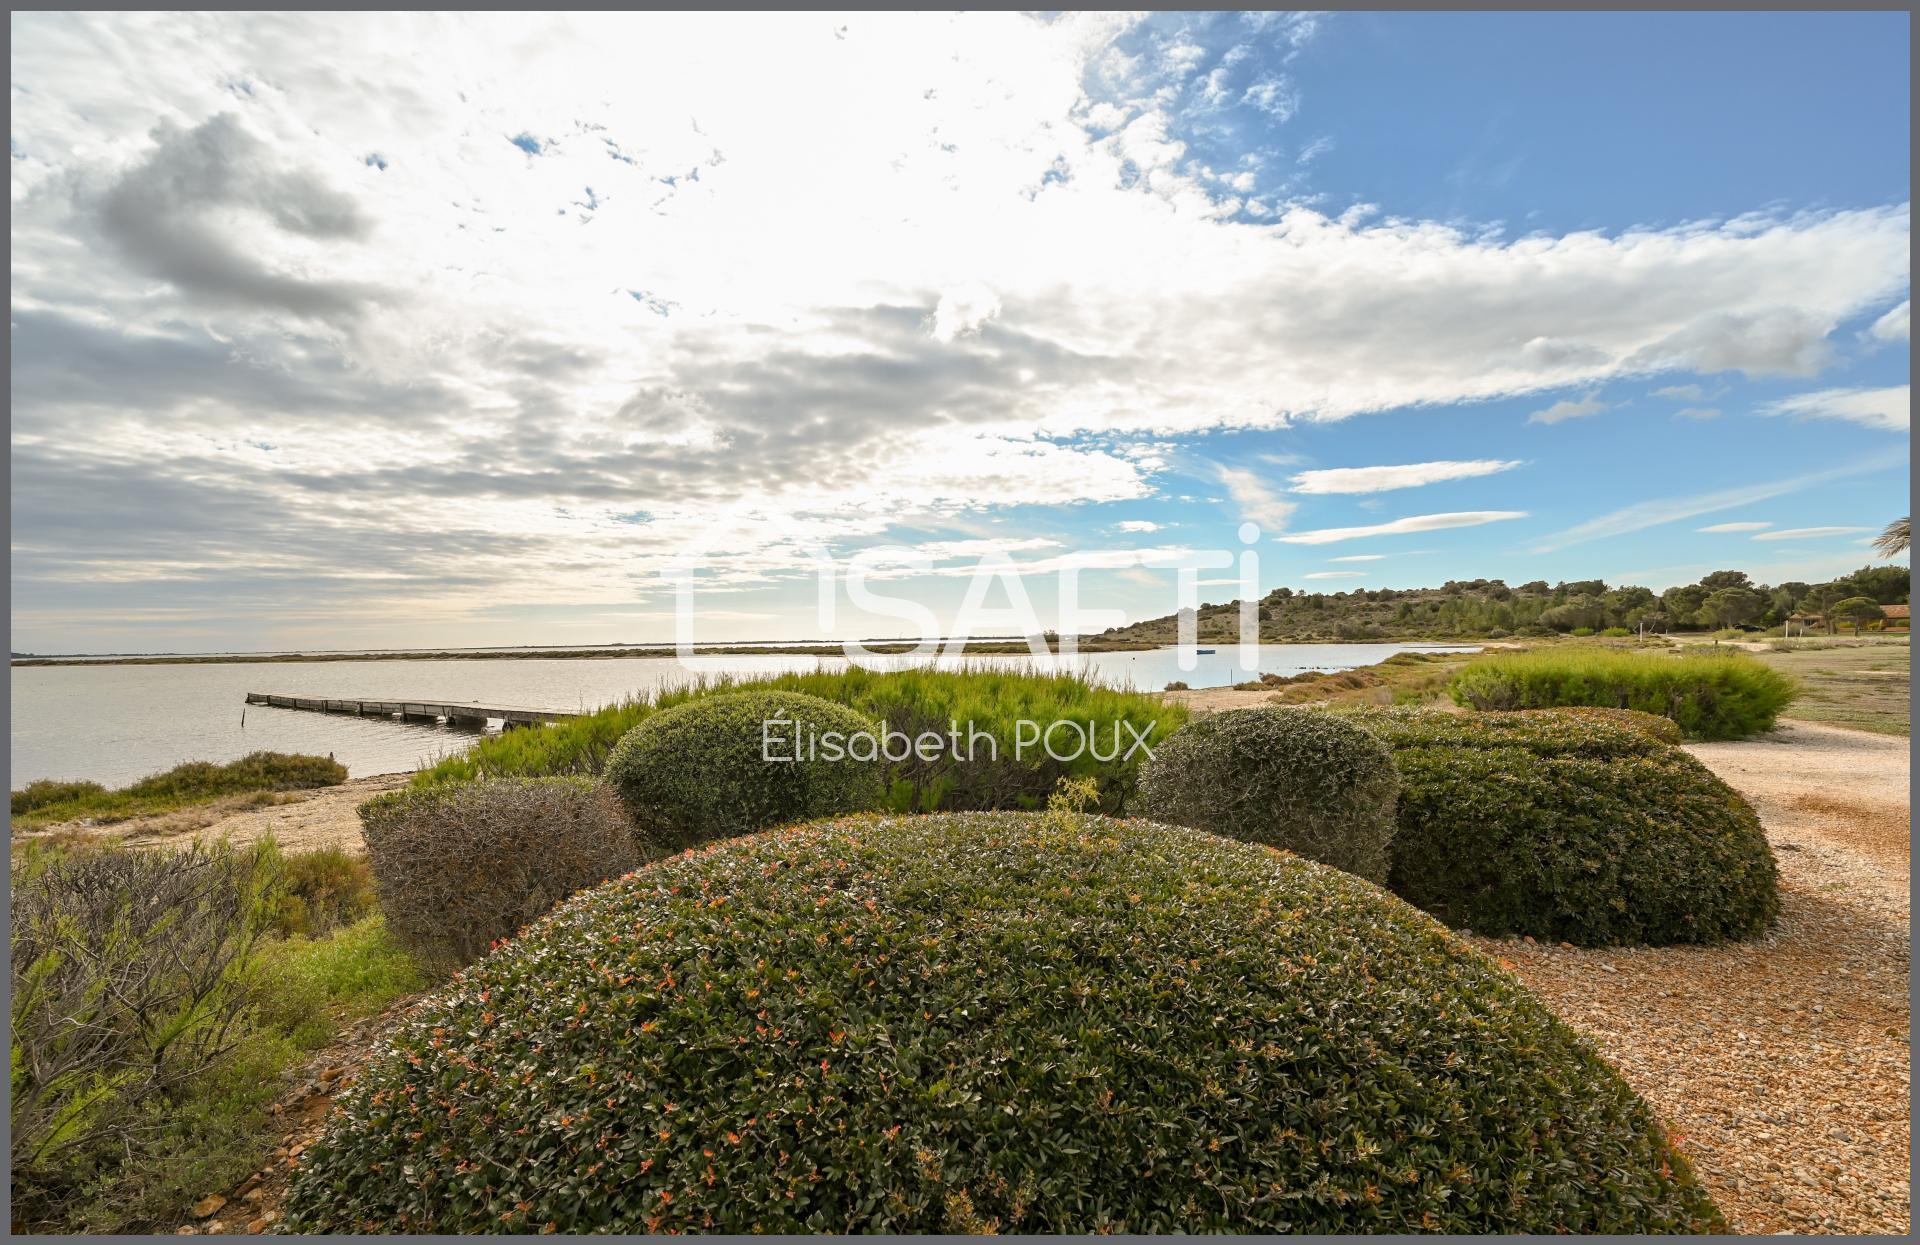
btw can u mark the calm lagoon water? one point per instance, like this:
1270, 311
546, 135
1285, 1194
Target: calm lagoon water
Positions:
114, 724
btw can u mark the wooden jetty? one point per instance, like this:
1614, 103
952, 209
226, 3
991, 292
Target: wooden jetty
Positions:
469, 713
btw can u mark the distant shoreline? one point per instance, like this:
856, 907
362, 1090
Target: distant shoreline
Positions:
988, 648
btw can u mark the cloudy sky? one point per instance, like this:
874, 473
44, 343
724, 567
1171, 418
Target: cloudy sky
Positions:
347, 331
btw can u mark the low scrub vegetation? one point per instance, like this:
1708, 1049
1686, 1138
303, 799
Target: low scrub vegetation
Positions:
910, 701
1308, 782
154, 1005
704, 770
1652, 725
974, 1023
1708, 695
463, 866
193, 782
1568, 828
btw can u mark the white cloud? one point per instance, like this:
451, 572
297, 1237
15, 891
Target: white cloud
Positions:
963, 310
1685, 393
1257, 503
806, 277
1890, 408
1698, 412
1894, 326
1743, 526
1274, 96
1810, 533
1335, 575
1360, 557
1138, 525
1642, 515
1413, 523
1568, 408
1406, 475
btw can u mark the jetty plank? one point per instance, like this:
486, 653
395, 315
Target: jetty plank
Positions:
414, 707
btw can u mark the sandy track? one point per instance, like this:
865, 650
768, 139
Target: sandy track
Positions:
323, 817
1782, 1064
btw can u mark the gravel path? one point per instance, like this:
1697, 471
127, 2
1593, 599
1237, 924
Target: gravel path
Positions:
1782, 1064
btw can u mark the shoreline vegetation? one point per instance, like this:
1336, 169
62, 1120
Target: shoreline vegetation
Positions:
997, 647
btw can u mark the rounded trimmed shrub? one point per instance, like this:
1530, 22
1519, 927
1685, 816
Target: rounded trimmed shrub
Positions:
459, 867
1652, 725
1006, 1022
702, 770
1569, 828
1309, 782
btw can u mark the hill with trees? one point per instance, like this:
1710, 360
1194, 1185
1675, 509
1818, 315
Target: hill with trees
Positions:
1490, 608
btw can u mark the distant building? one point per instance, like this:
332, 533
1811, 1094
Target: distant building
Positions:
1895, 617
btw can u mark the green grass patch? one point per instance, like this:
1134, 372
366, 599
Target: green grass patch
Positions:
910, 701
1709, 695
192, 782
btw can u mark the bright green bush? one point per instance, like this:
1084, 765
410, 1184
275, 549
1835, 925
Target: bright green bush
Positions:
1004, 774
702, 771
1293, 778
463, 866
1710, 695
1571, 829
969, 1022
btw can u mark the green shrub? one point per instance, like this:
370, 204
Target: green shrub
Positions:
46, 791
460, 867
1652, 725
1014, 1022
1616, 633
257, 771
1582, 632
127, 990
1293, 778
1710, 695
1001, 775
731, 764
193, 782
1571, 829
315, 891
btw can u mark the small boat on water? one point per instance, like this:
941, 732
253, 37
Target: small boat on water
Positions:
1204, 652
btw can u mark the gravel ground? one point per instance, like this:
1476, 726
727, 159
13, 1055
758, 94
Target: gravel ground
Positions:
1782, 1065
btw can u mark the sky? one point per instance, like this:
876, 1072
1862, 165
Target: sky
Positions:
338, 331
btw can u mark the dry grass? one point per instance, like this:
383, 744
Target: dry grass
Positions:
1864, 685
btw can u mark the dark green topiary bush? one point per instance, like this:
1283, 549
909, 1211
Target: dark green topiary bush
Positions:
1652, 725
1012, 1022
1572, 829
462, 866
1309, 782
700, 771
